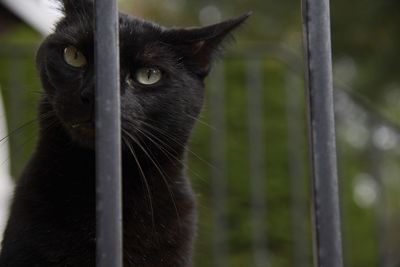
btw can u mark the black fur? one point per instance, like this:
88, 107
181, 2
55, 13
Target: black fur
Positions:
52, 221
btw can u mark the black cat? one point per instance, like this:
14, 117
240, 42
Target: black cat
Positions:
52, 221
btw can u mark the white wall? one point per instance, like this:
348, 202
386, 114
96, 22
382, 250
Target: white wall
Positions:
6, 184
39, 14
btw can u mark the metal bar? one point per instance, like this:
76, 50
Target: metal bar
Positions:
296, 170
217, 120
16, 116
108, 131
257, 157
326, 217
381, 212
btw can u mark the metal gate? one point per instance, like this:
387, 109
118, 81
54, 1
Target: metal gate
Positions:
326, 215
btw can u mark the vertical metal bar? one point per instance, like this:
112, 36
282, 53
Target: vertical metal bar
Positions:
17, 72
296, 170
256, 156
327, 229
108, 147
217, 117
381, 212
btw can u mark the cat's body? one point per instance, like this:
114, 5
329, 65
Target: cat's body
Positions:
52, 221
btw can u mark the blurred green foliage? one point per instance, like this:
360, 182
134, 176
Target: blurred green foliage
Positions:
20, 89
365, 37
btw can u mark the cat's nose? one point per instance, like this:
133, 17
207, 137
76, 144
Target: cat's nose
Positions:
87, 96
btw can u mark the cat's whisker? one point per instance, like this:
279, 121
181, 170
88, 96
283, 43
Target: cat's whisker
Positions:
171, 138
202, 122
163, 132
162, 146
144, 180
20, 146
163, 175
44, 116
156, 164
168, 137
19, 128
40, 92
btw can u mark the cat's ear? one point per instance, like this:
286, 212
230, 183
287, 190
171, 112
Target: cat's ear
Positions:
203, 44
70, 7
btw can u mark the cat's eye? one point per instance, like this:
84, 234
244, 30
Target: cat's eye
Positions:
74, 57
148, 76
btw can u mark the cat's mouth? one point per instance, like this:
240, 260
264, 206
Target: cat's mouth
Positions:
83, 129
83, 132
89, 125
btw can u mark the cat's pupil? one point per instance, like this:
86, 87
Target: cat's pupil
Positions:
149, 73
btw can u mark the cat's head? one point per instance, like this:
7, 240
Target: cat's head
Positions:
161, 73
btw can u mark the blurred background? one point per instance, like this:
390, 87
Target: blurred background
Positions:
248, 158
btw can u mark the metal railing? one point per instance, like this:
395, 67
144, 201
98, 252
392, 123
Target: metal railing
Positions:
108, 136
322, 140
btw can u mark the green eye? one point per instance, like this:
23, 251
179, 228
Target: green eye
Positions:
74, 57
148, 76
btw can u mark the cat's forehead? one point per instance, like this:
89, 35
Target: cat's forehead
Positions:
80, 28
135, 28
139, 39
